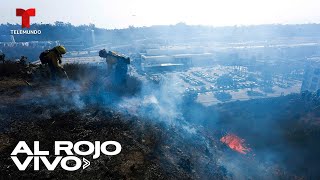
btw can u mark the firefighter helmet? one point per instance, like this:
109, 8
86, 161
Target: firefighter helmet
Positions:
61, 49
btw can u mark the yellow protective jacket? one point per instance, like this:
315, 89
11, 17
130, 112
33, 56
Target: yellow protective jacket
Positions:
54, 58
111, 60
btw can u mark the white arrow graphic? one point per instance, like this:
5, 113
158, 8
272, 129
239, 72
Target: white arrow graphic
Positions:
86, 163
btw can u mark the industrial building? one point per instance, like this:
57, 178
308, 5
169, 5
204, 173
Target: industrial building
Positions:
172, 58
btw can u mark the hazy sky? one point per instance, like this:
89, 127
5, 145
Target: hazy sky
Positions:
122, 13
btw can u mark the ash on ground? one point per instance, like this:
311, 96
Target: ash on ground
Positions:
281, 132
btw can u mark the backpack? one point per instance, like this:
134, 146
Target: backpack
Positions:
124, 59
43, 57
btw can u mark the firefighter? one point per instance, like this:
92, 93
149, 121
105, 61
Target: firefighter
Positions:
117, 66
121, 71
53, 57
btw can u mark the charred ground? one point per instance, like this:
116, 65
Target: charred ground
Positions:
35, 110
147, 152
281, 132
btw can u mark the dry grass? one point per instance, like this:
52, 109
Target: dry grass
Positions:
9, 68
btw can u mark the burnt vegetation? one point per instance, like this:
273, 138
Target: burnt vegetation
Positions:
149, 150
282, 132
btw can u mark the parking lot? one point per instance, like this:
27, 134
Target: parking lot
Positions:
204, 81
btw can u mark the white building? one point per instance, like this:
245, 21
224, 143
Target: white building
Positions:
177, 59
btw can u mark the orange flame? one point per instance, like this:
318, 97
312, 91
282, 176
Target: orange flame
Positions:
235, 143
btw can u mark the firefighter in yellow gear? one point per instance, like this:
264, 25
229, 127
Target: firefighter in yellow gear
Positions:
53, 58
111, 60
120, 62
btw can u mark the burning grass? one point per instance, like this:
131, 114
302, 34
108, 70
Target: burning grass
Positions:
235, 143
